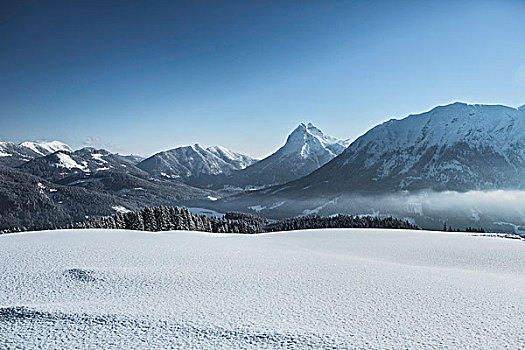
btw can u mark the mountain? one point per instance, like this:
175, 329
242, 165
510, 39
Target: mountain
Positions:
104, 172
133, 158
86, 161
45, 148
239, 161
306, 149
458, 147
64, 187
34, 203
31, 202
12, 154
184, 162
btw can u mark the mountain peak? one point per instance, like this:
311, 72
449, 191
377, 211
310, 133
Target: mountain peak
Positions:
308, 140
307, 128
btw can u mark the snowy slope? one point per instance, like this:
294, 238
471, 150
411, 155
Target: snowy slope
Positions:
454, 147
194, 160
306, 149
45, 148
239, 161
12, 154
306, 289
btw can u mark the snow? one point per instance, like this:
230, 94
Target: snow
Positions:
403, 142
65, 161
305, 289
45, 148
195, 160
309, 142
98, 157
4, 154
120, 209
41, 188
211, 198
319, 208
258, 208
205, 211
241, 161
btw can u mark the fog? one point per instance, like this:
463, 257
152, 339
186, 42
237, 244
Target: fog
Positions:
492, 210
495, 211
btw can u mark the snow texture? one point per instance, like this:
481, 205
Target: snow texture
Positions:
314, 289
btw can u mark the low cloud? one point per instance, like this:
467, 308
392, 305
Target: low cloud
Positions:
497, 211
493, 210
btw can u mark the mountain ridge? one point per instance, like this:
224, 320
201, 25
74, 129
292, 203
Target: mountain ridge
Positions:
458, 147
186, 161
306, 149
14, 154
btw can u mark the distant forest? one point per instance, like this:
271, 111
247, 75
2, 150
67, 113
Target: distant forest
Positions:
172, 218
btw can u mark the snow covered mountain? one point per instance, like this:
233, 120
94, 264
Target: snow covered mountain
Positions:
458, 147
66, 186
12, 154
184, 162
86, 161
305, 150
45, 148
455, 147
133, 158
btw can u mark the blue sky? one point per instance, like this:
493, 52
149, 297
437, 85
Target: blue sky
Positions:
139, 77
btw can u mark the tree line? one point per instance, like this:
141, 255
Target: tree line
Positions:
173, 218
468, 229
164, 218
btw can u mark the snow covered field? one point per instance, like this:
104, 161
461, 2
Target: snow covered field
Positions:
343, 288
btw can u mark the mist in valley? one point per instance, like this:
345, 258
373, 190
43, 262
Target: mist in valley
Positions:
495, 211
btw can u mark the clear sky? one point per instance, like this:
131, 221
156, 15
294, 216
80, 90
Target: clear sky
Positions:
139, 77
